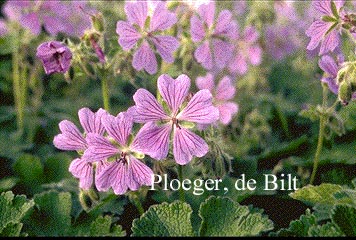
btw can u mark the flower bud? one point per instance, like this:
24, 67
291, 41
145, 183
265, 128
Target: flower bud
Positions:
98, 22
345, 93
55, 56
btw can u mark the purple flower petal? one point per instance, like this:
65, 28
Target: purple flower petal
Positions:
83, 170
141, 174
200, 109
328, 65
317, 31
128, 35
222, 52
153, 140
250, 34
162, 19
333, 86
203, 55
144, 58
225, 89
165, 46
255, 54
136, 12
330, 42
206, 82
323, 6
114, 175
118, 127
186, 145
31, 22
91, 122
70, 139
99, 148
227, 110
207, 13
223, 22
147, 108
197, 30
173, 91
238, 65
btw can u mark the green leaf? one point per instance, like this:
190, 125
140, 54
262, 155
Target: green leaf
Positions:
52, 214
12, 210
224, 217
165, 220
11, 230
326, 230
102, 227
7, 183
345, 217
30, 170
322, 194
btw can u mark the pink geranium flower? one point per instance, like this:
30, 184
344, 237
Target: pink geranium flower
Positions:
153, 138
126, 171
71, 139
326, 30
222, 93
213, 36
150, 36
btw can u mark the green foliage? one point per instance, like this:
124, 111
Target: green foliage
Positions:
220, 217
224, 217
165, 220
345, 217
12, 211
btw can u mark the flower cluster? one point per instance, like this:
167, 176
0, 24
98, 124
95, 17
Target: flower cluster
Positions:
105, 145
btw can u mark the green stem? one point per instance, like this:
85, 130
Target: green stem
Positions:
17, 88
180, 177
322, 125
136, 201
105, 92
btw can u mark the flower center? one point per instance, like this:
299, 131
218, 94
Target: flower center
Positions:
175, 122
123, 157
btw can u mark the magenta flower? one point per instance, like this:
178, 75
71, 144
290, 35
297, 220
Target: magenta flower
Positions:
55, 56
125, 172
247, 51
213, 36
222, 93
326, 30
153, 138
55, 16
3, 28
331, 68
71, 139
136, 30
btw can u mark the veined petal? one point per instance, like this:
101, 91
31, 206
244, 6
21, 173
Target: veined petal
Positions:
32, 22
147, 108
128, 35
238, 64
83, 170
174, 91
162, 18
328, 65
136, 12
119, 127
186, 145
99, 148
197, 30
225, 89
70, 139
91, 122
330, 42
114, 175
203, 55
316, 32
223, 22
227, 111
165, 46
144, 58
200, 109
323, 6
153, 140
250, 34
140, 174
222, 52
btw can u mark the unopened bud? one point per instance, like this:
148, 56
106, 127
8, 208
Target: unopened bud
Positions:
345, 93
98, 22
85, 201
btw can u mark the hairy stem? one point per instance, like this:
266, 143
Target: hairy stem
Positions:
17, 89
322, 125
105, 92
180, 177
136, 201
